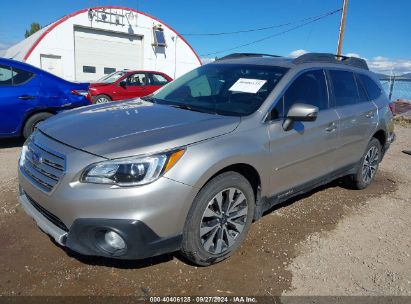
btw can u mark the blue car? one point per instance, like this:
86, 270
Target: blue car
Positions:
29, 95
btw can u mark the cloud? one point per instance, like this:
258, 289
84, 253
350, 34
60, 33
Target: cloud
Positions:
385, 65
205, 60
297, 53
379, 64
353, 55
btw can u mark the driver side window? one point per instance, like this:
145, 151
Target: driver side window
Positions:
309, 88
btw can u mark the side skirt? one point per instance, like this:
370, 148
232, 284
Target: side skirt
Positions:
266, 203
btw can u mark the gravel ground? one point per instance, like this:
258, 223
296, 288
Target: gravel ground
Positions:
329, 241
369, 252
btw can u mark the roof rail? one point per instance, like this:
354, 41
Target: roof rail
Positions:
331, 58
240, 55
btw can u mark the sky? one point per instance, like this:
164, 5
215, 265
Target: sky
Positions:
377, 30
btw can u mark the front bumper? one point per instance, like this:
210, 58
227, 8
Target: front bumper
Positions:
150, 218
84, 234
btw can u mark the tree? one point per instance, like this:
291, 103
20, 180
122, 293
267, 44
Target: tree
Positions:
34, 27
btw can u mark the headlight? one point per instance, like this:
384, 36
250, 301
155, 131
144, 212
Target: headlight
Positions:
23, 155
131, 171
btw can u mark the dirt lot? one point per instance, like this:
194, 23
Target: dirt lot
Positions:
330, 241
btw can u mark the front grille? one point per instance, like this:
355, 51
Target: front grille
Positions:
50, 216
44, 167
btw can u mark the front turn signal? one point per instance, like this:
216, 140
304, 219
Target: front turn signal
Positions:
173, 159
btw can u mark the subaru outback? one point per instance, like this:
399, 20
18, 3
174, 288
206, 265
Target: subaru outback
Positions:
190, 167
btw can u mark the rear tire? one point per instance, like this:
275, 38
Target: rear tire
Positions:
218, 220
33, 121
102, 98
368, 167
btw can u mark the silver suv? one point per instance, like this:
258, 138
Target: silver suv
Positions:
192, 166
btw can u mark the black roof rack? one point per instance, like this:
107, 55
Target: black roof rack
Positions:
240, 55
331, 58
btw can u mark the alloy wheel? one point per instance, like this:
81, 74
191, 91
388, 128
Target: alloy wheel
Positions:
370, 164
102, 100
223, 220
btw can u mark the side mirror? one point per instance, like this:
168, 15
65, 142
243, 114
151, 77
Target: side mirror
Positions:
123, 84
300, 112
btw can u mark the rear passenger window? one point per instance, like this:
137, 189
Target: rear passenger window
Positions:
309, 88
345, 88
21, 76
13, 76
6, 76
373, 90
157, 80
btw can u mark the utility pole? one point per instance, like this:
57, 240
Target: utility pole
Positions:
342, 27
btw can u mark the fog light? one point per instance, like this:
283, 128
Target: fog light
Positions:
114, 240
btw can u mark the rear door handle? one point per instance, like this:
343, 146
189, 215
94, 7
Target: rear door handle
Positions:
26, 97
331, 127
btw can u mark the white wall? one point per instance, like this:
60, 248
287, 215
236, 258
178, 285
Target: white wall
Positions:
175, 59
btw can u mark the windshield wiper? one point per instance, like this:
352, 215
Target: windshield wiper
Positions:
187, 107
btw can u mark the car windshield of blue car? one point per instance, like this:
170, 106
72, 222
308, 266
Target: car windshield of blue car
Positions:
224, 89
113, 77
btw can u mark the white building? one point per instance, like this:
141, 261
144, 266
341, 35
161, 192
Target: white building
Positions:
90, 43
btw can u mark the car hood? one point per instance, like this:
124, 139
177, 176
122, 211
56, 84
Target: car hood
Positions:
134, 127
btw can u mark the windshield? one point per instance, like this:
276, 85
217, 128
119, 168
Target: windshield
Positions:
225, 89
113, 77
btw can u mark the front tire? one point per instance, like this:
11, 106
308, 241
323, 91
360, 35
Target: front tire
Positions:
219, 219
32, 123
368, 166
99, 99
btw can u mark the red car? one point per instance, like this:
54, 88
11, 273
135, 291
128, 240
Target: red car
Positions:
126, 84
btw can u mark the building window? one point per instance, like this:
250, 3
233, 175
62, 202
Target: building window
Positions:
109, 70
159, 39
89, 69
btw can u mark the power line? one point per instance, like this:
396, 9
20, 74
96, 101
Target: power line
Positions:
262, 28
274, 35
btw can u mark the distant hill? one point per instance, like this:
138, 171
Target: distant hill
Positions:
406, 76
382, 76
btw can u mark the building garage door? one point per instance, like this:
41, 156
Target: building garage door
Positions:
99, 52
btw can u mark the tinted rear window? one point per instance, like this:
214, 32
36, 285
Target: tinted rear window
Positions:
13, 76
21, 76
373, 90
345, 88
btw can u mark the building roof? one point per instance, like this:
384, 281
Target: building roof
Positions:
19, 50
22, 50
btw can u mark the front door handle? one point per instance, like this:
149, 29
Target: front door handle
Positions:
26, 97
331, 127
